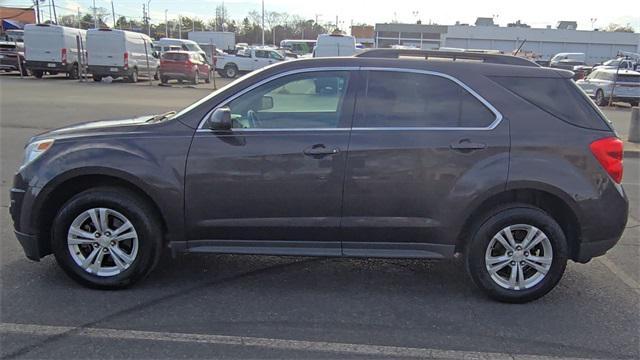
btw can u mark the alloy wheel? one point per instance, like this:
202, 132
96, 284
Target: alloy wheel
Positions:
519, 257
102, 242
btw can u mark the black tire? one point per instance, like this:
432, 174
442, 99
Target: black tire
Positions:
196, 78
222, 74
600, 98
231, 71
38, 74
133, 78
97, 78
207, 80
164, 79
156, 76
25, 72
634, 103
499, 219
137, 211
74, 74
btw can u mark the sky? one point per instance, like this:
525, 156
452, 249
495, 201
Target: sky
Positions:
538, 13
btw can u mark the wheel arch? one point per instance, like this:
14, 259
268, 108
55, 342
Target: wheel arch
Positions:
553, 201
59, 190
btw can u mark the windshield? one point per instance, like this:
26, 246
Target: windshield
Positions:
193, 47
611, 63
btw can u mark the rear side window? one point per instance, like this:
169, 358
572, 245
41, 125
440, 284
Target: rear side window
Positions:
396, 99
175, 57
558, 97
629, 78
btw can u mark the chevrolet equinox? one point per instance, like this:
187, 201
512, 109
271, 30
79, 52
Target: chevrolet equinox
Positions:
392, 153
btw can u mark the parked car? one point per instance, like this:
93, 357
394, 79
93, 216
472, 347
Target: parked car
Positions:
246, 60
335, 45
184, 65
298, 47
500, 161
12, 57
223, 40
599, 84
619, 63
567, 61
52, 49
120, 53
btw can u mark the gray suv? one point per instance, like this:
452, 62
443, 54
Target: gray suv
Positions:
394, 154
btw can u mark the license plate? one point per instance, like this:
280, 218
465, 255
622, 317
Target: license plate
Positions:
51, 65
114, 69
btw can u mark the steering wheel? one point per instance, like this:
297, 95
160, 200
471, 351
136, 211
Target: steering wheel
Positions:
252, 116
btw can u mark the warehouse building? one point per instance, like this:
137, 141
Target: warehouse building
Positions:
597, 45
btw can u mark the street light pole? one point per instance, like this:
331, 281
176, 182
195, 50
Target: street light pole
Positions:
95, 19
262, 22
149, 17
166, 24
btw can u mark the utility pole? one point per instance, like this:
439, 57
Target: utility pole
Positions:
95, 19
180, 26
55, 15
166, 24
50, 13
113, 14
37, 11
262, 22
79, 24
144, 15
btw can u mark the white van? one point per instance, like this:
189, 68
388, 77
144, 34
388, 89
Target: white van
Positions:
52, 49
120, 53
335, 45
168, 44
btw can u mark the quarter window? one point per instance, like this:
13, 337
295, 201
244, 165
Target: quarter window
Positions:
299, 101
396, 99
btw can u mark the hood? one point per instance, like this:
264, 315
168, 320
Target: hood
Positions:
95, 128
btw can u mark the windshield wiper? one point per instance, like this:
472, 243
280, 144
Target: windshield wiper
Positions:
159, 117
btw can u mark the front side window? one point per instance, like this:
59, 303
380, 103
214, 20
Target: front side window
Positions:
275, 55
396, 99
300, 101
262, 54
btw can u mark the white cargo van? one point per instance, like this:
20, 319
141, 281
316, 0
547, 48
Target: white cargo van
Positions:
335, 45
120, 53
52, 49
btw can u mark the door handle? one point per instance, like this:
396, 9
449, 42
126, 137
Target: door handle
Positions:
320, 150
467, 145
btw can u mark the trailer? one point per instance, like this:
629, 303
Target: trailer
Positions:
223, 40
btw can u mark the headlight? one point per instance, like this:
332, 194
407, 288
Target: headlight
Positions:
35, 149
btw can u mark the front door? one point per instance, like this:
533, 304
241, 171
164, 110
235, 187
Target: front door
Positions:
274, 183
422, 148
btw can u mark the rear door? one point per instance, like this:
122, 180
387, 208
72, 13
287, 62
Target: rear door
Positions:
44, 43
106, 48
422, 148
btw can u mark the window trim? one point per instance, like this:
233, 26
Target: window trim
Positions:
225, 102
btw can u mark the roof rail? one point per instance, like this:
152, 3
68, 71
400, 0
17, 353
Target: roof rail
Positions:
453, 55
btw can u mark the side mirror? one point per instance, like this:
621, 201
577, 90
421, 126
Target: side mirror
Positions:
267, 103
220, 120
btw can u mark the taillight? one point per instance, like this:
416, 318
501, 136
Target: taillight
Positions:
126, 60
609, 152
64, 56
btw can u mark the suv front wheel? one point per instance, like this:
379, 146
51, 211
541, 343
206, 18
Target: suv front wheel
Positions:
106, 238
518, 254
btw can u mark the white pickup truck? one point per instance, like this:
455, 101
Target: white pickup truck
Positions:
245, 61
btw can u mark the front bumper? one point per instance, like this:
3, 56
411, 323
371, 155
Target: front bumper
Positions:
30, 243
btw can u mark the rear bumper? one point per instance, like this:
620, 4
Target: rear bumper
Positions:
177, 75
48, 66
587, 251
113, 71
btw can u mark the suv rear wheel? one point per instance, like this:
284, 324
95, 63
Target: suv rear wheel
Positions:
600, 99
231, 71
518, 254
134, 76
106, 238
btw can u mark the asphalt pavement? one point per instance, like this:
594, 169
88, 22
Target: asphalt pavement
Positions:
227, 306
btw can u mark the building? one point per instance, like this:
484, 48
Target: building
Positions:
598, 46
15, 18
364, 34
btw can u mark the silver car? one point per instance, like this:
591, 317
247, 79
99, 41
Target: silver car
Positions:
625, 85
